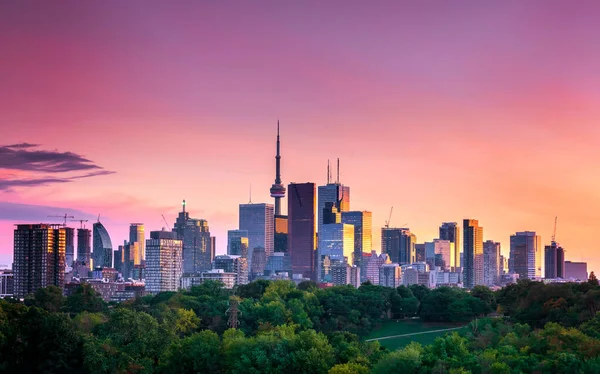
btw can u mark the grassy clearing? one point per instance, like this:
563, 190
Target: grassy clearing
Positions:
424, 332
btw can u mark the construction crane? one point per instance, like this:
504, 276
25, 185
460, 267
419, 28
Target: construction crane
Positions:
81, 222
165, 221
387, 223
554, 232
63, 217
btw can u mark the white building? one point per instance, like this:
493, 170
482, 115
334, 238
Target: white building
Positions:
164, 262
375, 262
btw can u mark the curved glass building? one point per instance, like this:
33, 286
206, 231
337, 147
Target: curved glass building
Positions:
103, 250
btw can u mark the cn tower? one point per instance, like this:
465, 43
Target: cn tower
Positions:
277, 189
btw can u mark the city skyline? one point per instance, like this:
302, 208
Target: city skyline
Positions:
117, 109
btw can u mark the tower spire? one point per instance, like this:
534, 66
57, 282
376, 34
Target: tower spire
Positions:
338, 171
328, 173
277, 189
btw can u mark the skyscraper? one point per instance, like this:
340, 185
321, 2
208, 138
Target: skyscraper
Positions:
451, 231
442, 253
491, 263
302, 206
164, 262
336, 242
198, 247
84, 255
39, 258
70, 246
473, 253
526, 254
103, 250
363, 234
136, 235
554, 263
237, 243
334, 193
399, 244
259, 221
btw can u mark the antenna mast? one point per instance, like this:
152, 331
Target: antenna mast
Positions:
554, 233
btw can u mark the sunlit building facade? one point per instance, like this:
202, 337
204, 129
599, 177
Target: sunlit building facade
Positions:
491, 263
237, 243
136, 235
164, 262
363, 234
450, 231
473, 253
526, 255
259, 221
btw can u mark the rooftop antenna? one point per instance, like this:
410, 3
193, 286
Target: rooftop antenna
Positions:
554, 233
338, 171
183, 203
98, 217
328, 173
250, 201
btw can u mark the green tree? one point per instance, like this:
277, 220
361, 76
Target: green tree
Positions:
349, 368
592, 279
198, 353
487, 296
85, 299
406, 360
49, 298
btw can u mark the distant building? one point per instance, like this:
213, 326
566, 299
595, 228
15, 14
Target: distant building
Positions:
69, 246
39, 258
259, 262
281, 233
390, 275
301, 229
103, 249
237, 243
136, 235
491, 263
190, 280
526, 255
374, 264
334, 193
576, 270
164, 262
233, 264
363, 235
399, 244
7, 283
450, 231
473, 253
280, 262
336, 241
198, 251
446, 278
84, 252
110, 291
420, 252
259, 221
446, 251
554, 256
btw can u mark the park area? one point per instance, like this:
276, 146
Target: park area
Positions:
395, 334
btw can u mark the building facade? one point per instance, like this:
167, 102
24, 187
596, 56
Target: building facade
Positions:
103, 249
237, 243
491, 263
302, 204
137, 235
336, 194
164, 262
390, 275
39, 258
473, 253
84, 246
526, 255
363, 234
450, 231
576, 270
554, 261
259, 221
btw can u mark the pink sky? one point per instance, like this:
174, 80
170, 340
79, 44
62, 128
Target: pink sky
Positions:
443, 110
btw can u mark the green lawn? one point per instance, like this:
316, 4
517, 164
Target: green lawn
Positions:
401, 327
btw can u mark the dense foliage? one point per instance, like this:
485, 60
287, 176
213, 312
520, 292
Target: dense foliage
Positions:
302, 329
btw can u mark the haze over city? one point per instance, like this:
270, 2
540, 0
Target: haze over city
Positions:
477, 111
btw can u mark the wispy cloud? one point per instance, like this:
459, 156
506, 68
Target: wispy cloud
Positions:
26, 158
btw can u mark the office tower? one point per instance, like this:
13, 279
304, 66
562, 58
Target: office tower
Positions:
7, 283
233, 264
503, 264
331, 214
399, 244
84, 237
554, 261
363, 234
526, 255
281, 233
375, 262
237, 243
280, 262
440, 253
491, 263
259, 262
576, 270
118, 259
70, 246
39, 258
302, 206
259, 221
450, 231
390, 275
336, 242
164, 262
130, 253
473, 253
136, 235
103, 251
181, 221
198, 250
420, 252
407, 247
334, 193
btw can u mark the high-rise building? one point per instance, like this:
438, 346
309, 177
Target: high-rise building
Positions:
334, 193
103, 249
84, 246
336, 242
281, 233
39, 258
441, 253
259, 221
70, 246
129, 253
491, 263
576, 270
119, 259
164, 262
375, 262
233, 264
390, 275
554, 263
198, 246
237, 243
399, 244
526, 255
136, 235
363, 234
420, 252
408, 241
259, 262
450, 231
473, 253
302, 206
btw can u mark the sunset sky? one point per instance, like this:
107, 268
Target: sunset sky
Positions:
444, 110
